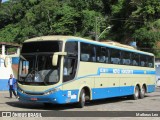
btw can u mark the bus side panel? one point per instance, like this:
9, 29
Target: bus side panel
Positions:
126, 84
78, 85
151, 84
105, 87
70, 96
151, 88
126, 90
99, 93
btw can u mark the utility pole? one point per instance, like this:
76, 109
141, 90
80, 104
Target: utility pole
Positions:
97, 36
109, 27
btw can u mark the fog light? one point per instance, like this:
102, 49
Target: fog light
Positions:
54, 99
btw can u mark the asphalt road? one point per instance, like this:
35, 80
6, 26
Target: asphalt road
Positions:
151, 102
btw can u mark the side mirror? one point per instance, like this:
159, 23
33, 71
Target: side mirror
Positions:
55, 57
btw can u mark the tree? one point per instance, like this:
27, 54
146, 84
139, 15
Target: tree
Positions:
131, 20
65, 21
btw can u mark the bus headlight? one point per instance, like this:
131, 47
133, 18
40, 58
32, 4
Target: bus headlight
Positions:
51, 91
20, 90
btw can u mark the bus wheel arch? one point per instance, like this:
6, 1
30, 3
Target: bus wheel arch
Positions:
83, 96
87, 93
81, 101
143, 91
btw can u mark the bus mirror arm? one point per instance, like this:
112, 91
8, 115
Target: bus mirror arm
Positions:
55, 57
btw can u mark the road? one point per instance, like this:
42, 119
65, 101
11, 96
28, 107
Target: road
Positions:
151, 102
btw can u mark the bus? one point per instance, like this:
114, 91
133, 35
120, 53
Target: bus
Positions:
68, 69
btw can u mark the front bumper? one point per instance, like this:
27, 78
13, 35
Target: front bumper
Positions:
59, 97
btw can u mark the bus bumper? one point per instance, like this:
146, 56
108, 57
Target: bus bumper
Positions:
59, 97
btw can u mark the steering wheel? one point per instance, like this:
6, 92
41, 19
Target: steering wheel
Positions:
30, 75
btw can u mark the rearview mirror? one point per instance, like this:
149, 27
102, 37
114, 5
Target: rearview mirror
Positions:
55, 57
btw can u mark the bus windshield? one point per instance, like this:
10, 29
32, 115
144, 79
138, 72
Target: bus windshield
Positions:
35, 66
37, 70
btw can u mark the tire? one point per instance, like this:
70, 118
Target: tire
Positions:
136, 93
82, 100
142, 92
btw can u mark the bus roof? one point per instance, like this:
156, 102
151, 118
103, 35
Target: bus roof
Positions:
50, 38
108, 44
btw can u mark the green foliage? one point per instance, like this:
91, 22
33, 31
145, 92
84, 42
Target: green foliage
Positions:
136, 20
131, 20
148, 36
88, 22
66, 20
9, 33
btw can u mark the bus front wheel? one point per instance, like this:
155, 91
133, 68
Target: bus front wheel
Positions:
82, 100
136, 93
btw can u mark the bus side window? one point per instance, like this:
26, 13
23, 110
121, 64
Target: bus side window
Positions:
107, 60
93, 59
135, 59
70, 61
126, 58
150, 65
101, 54
135, 63
85, 57
69, 70
102, 59
143, 60
150, 61
88, 52
115, 56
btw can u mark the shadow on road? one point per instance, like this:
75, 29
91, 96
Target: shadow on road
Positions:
7, 97
40, 106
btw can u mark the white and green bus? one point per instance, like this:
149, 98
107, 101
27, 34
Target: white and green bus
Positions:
67, 69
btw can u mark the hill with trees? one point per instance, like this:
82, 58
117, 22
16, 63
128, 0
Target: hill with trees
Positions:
130, 20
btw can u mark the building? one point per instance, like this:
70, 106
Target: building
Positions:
9, 58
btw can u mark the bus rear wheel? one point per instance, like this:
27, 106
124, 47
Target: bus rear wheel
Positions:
142, 92
82, 100
136, 93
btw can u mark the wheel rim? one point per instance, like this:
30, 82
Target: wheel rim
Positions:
143, 91
83, 98
136, 92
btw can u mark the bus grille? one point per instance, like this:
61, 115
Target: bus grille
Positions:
34, 93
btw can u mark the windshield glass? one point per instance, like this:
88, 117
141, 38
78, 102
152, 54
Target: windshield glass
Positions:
38, 70
41, 46
35, 66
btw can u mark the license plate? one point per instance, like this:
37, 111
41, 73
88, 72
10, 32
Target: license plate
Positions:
34, 99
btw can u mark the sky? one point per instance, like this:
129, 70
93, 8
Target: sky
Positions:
4, 0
